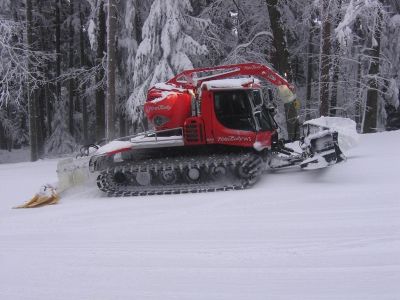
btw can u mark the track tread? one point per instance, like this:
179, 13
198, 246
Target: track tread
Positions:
252, 163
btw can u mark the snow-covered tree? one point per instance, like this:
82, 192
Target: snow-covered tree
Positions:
167, 48
238, 31
134, 13
390, 69
362, 27
61, 141
156, 39
21, 69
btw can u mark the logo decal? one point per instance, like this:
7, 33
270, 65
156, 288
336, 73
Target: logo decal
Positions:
157, 108
233, 139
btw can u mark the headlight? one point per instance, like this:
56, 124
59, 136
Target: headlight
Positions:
160, 120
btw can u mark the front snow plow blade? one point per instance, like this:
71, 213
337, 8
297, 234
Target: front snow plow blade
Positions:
325, 139
323, 143
323, 150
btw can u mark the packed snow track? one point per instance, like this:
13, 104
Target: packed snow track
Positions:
332, 233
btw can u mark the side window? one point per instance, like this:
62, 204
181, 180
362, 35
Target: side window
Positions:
263, 117
233, 110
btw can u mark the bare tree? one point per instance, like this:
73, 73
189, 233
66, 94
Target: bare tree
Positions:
21, 75
111, 65
83, 64
100, 106
58, 47
325, 58
371, 109
336, 64
31, 100
71, 92
310, 53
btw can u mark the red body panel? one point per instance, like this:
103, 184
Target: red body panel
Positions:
227, 136
216, 133
170, 106
203, 129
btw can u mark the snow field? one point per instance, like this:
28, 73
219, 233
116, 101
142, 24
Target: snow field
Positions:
322, 234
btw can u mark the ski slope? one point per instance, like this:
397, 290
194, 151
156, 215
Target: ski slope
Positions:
322, 234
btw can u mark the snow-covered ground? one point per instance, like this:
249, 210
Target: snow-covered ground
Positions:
324, 234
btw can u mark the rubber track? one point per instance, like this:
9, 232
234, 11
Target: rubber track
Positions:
251, 161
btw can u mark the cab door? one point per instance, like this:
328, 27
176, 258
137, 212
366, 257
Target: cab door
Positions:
233, 121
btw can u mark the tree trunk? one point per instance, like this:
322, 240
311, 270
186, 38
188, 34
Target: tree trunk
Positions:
83, 64
31, 96
58, 47
336, 64
58, 50
40, 124
122, 124
138, 23
138, 37
100, 109
310, 53
40, 92
280, 61
71, 65
325, 59
111, 65
44, 99
49, 111
358, 104
371, 109
3, 138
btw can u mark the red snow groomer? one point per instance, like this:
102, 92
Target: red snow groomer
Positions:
214, 130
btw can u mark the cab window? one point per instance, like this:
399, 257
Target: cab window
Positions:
233, 110
262, 115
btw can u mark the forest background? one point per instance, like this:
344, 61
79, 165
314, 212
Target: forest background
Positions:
77, 71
